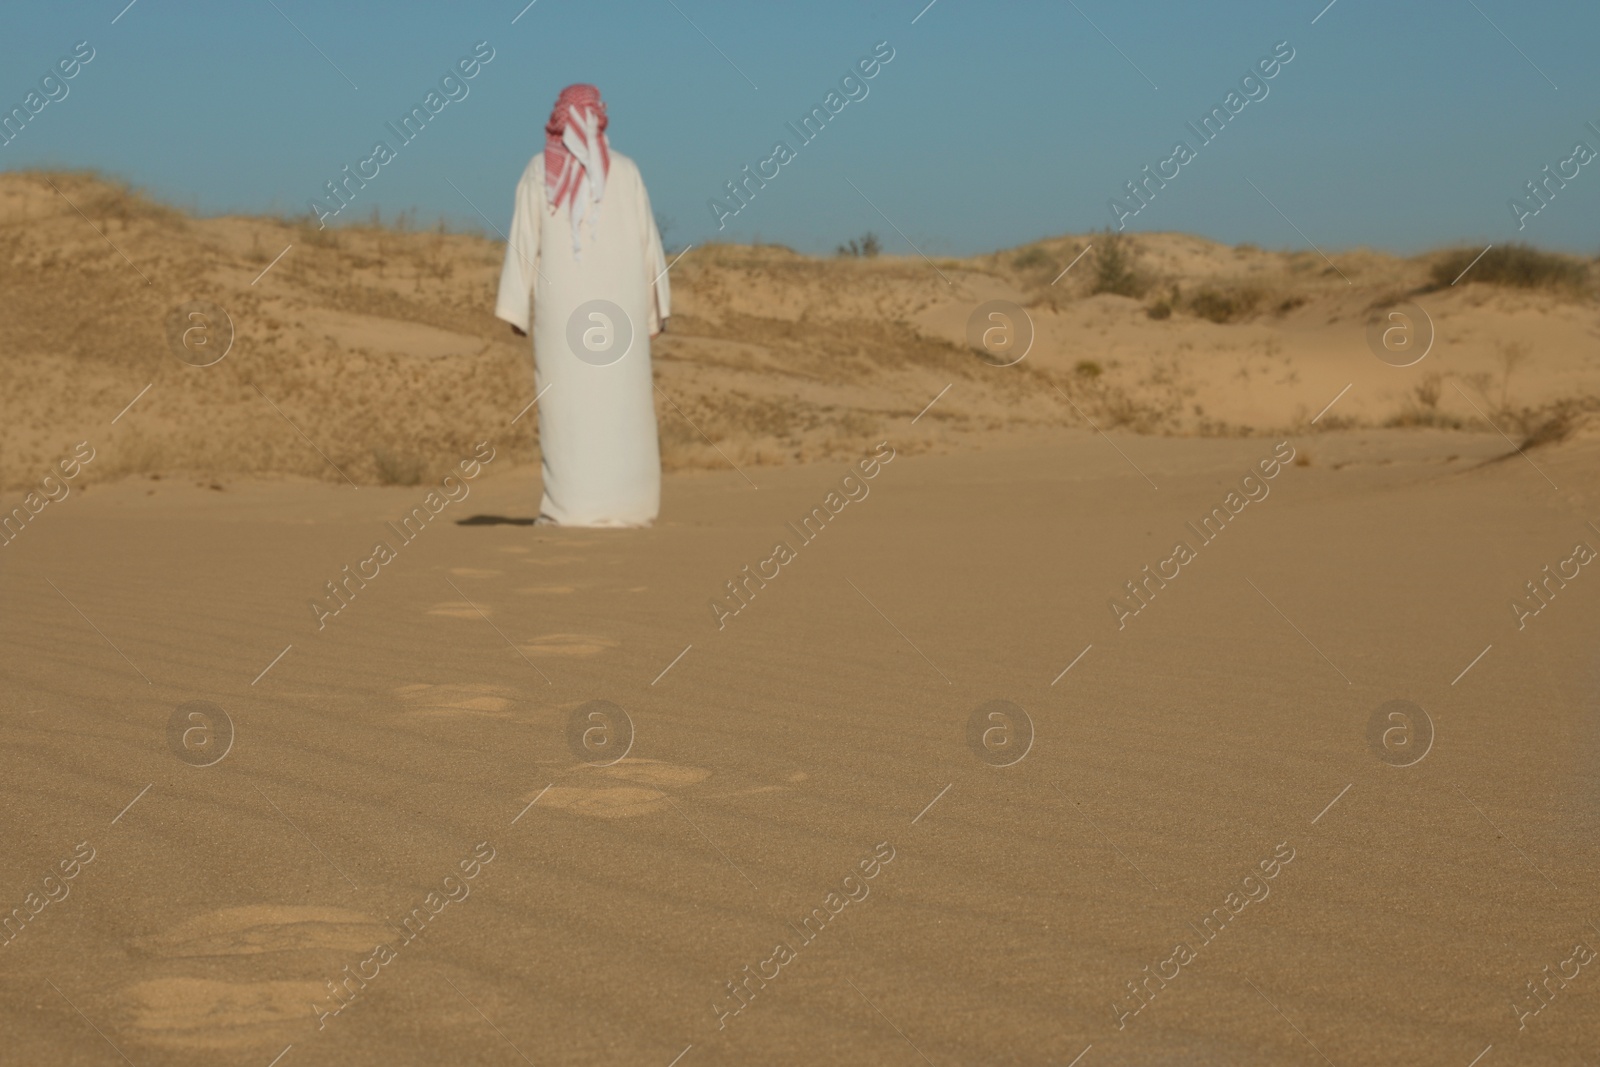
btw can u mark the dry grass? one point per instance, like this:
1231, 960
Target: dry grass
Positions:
1551, 424
1421, 407
1116, 266
1517, 265
1230, 303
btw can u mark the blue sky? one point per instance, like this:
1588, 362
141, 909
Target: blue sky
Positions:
1398, 126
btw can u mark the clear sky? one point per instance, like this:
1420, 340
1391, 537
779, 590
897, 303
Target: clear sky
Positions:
1397, 125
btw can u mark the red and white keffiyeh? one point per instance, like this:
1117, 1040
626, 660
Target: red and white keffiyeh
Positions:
577, 156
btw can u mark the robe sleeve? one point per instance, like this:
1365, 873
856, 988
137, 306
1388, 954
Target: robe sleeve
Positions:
521, 267
655, 262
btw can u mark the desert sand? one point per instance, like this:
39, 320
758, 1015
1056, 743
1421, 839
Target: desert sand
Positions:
406, 853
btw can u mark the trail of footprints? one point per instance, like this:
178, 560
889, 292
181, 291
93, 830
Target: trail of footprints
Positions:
554, 644
246, 976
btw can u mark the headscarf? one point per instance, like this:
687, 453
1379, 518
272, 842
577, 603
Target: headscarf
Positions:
577, 156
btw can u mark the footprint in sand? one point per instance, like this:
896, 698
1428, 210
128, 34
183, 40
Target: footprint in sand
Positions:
256, 928
568, 645
191, 1012
472, 572
620, 801
654, 772
756, 790
614, 802
547, 590
202, 1013
457, 699
458, 609
585, 792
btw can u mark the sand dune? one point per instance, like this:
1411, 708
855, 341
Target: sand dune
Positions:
377, 347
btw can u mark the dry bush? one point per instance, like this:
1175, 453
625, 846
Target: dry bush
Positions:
1553, 423
1520, 266
1224, 303
1035, 259
867, 246
398, 468
1421, 408
1116, 266
109, 198
308, 233
1512, 355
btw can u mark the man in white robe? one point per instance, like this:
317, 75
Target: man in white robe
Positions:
584, 251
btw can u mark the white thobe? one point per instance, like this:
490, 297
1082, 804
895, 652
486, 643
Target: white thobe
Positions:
597, 424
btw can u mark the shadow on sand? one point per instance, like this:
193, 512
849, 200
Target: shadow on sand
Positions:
493, 520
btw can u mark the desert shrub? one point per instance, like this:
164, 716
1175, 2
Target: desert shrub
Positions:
1088, 368
1159, 310
1421, 408
1224, 305
1288, 304
1554, 423
867, 245
1549, 429
1510, 355
396, 468
109, 198
1518, 265
308, 232
1033, 259
1116, 268
1428, 391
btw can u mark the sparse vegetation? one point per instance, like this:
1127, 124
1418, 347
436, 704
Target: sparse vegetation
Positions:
1421, 408
866, 246
1224, 304
396, 468
309, 233
1517, 265
111, 198
1428, 390
1512, 354
1554, 423
377, 337
1116, 267
1034, 259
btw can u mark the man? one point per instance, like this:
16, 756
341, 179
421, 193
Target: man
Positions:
585, 252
